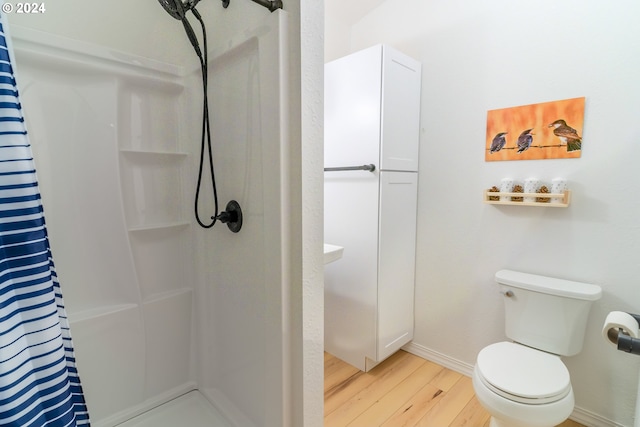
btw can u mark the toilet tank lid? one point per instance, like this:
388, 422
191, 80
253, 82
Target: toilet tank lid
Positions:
549, 285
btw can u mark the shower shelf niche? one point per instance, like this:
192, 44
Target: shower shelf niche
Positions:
565, 199
163, 295
152, 188
162, 226
101, 311
150, 153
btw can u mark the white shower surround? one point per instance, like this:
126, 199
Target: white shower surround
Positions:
157, 305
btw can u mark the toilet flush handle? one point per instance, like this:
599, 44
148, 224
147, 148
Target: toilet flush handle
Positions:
507, 293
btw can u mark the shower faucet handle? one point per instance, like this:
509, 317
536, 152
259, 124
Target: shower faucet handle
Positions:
232, 216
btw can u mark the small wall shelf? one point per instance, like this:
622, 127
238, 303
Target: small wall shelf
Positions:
565, 199
141, 153
163, 226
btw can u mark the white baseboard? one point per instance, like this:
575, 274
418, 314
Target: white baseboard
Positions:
439, 358
580, 415
591, 419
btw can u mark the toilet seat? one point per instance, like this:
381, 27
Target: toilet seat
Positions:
523, 374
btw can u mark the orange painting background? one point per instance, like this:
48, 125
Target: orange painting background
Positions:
545, 144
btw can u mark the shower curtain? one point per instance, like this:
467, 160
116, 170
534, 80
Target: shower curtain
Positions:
39, 383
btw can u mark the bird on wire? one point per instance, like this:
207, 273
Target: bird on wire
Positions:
498, 142
524, 140
567, 135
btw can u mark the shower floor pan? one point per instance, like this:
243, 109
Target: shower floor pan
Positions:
191, 409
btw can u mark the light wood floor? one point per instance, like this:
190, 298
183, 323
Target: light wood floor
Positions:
403, 391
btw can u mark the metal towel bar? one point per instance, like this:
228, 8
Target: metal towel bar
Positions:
369, 168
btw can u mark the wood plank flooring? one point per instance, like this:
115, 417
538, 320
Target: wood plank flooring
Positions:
403, 391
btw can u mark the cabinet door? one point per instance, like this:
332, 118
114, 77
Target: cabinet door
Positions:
396, 262
401, 81
352, 109
351, 221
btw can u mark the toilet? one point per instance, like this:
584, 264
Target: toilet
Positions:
523, 382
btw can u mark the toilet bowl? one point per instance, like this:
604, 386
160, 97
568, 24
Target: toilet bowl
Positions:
524, 383
522, 387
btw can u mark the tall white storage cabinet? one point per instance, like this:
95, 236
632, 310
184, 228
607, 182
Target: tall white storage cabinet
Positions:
372, 116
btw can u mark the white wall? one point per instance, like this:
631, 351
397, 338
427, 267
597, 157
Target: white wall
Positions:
335, 45
479, 56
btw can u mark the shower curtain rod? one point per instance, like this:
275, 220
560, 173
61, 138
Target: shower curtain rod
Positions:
269, 4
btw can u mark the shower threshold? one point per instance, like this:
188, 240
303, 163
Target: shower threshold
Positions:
191, 409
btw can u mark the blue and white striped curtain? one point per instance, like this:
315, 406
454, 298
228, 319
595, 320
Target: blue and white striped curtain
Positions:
39, 383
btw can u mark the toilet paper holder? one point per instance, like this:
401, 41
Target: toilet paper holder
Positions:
625, 342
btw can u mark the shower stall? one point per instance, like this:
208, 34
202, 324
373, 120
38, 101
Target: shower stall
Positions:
158, 306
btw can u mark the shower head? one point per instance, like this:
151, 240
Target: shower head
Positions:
174, 8
178, 10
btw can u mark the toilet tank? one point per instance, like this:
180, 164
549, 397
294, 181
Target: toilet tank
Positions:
546, 313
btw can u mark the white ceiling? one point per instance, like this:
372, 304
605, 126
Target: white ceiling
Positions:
350, 11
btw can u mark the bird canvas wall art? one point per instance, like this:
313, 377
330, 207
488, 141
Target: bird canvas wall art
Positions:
548, 130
